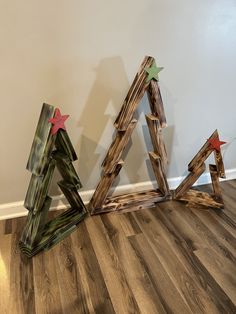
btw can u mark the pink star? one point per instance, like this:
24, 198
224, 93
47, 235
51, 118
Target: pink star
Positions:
58, 121
215, 143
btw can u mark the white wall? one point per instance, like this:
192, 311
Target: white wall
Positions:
82, 55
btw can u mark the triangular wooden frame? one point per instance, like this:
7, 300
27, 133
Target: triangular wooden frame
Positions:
49, 151
125, 124
197, 167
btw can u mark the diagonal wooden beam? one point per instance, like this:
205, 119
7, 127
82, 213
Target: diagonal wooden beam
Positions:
117, 147
103, 188
219, 164
203, 153
186, 184
135, 94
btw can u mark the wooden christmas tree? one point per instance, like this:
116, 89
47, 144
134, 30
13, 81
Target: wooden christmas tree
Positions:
146, 80
197, 167
51, 148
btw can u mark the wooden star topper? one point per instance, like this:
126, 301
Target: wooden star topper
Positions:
215, 143
58, 121
153, 72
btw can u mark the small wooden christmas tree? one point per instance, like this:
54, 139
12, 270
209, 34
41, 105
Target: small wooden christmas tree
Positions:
197, 167
51, 148
146, 80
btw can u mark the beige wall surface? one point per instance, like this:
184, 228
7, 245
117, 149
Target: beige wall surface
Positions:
82, 55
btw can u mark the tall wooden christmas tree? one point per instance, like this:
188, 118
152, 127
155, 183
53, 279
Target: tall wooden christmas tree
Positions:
197, 167
51, 148
146, 80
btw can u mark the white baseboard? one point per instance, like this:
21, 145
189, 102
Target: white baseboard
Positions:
16, 209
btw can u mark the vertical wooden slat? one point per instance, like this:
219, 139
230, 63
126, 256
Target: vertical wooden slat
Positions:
215, 183
156, 103
159, 172
156, 137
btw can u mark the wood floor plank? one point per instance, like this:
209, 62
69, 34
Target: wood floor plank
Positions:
138, 279
221, 233
195, 297
199, 229
72, 292
2, 227
121, 295
21, 275
221, 269
46, 283
165, 259
5, 258
170, 297
8, 226
89, 271
128, 224
199, 274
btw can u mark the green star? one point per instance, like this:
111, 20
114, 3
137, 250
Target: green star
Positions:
153, 72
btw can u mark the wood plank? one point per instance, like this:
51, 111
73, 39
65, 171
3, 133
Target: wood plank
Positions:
186, 184
5, 260
128, 224
221, 269
135, 94
219, 164
200, 199
216, 299
8, 226
156, 103
46, 285
159, 171
216, 226
120, 293
184, 281
102, 189
117, 147
72, 292
138, 200
21, 275
66, 169
38, 188
43, 142
144, 292
203, 153
156, 137
89, 271
171, 298
64, 145
215, 183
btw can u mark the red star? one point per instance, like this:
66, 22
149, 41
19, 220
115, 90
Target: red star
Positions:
215, 143
58, 121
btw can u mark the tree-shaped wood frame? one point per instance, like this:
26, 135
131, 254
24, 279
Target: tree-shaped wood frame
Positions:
197, 167
49, 151
125, 124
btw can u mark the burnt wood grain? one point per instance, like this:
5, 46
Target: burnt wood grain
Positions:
117, 147
156, 103
135, 94
49, 151
125, 124
165, 259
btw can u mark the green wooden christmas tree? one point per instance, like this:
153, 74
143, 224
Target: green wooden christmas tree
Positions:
51, 148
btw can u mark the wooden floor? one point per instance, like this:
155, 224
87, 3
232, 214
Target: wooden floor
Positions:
168, 259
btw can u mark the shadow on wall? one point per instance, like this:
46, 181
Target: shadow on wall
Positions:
106, 95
